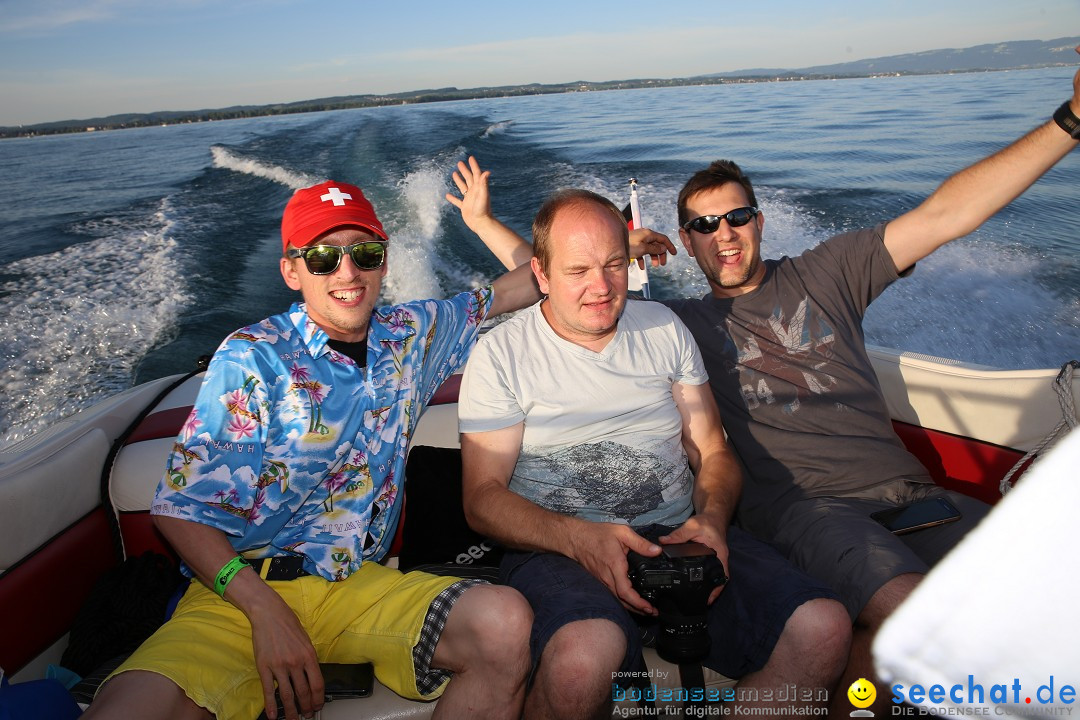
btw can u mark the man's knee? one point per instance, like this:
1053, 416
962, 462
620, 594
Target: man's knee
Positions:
577, 665
818, 634
886, 599
138, 693
489, 624
585, 648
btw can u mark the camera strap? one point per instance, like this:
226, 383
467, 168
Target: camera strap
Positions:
692, 676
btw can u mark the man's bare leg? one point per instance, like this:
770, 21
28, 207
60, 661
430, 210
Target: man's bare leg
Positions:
573, 679
861, 664
810, 654
143, 694
485, 643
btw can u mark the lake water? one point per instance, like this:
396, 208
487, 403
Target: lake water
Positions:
126, 255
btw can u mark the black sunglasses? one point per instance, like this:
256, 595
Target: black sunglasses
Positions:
325, 259
707, 224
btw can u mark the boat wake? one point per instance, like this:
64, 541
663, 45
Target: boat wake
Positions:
414, 223
497, 128
228, 160
79, 320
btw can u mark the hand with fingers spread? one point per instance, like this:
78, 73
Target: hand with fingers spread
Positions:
1076, 89
475, 201
475, 206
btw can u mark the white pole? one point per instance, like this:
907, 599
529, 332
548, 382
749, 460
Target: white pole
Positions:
639, 277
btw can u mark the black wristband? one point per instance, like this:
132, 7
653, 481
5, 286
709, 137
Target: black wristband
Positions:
1067, 121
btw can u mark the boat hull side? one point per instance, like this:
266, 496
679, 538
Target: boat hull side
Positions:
41, 595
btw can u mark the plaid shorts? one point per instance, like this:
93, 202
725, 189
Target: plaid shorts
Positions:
429, 679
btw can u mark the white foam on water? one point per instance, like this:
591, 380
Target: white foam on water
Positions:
76, 322
228, 160
414, 226
977, 301
497, 128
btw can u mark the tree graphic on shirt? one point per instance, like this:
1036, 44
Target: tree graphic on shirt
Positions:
794, 352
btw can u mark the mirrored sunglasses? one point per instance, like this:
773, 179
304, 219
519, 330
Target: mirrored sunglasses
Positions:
325, 259
707, 224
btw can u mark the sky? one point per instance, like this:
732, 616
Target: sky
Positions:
76, 59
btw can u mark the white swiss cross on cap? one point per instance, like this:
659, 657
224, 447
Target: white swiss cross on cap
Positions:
335, 196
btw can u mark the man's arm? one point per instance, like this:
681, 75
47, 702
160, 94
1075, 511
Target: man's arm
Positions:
475, 206
283, 650
969, 198
517, 288
717, 478
510, 248
488, 460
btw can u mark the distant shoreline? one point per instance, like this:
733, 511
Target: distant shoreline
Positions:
136, 120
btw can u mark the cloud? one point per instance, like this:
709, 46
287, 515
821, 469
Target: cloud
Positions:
49, 15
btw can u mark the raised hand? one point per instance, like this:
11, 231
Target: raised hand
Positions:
475, 201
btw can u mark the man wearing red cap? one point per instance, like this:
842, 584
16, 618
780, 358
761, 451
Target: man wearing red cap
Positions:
282, 496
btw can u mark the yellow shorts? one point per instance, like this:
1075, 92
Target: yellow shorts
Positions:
375, 615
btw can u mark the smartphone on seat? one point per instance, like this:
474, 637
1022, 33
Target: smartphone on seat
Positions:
341, 681
917, 515
347, 680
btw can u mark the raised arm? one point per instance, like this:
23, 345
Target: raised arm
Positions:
488, 460
970, 197
517, 288
717, 477
283, 651
475, 206
510, 248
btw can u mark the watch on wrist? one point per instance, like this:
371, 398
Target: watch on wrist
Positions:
1067, 120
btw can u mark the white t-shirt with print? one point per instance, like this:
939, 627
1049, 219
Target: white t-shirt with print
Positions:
603, 436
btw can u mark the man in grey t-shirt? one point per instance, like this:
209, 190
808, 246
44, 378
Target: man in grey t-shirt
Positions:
783, 345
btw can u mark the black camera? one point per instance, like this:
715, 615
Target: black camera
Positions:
678, 583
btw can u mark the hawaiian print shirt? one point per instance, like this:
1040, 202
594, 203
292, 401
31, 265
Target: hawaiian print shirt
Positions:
292, 448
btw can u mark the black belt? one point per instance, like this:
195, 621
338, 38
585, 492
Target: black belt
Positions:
283, 567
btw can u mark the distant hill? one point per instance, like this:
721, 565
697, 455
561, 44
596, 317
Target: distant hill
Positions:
1013, 55
1018, 54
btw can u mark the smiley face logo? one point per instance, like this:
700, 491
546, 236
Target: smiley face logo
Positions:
862, 693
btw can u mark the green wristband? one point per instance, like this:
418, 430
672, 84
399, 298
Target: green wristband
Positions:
227, 573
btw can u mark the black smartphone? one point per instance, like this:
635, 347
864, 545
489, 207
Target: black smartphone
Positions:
347, 680
917, 515
341, 681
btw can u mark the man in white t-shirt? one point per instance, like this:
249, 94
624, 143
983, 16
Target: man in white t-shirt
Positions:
588, 430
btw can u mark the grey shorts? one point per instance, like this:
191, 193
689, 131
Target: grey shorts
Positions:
835, 540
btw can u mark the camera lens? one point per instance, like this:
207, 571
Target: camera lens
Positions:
683, 639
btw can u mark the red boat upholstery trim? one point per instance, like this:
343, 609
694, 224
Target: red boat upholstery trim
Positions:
959, 463
447, 392
161, 424
40, 596
140, 535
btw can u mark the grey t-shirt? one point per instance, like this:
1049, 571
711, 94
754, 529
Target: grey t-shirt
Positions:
788, 367
603, 435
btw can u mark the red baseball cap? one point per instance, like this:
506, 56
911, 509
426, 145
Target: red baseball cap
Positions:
317, 210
